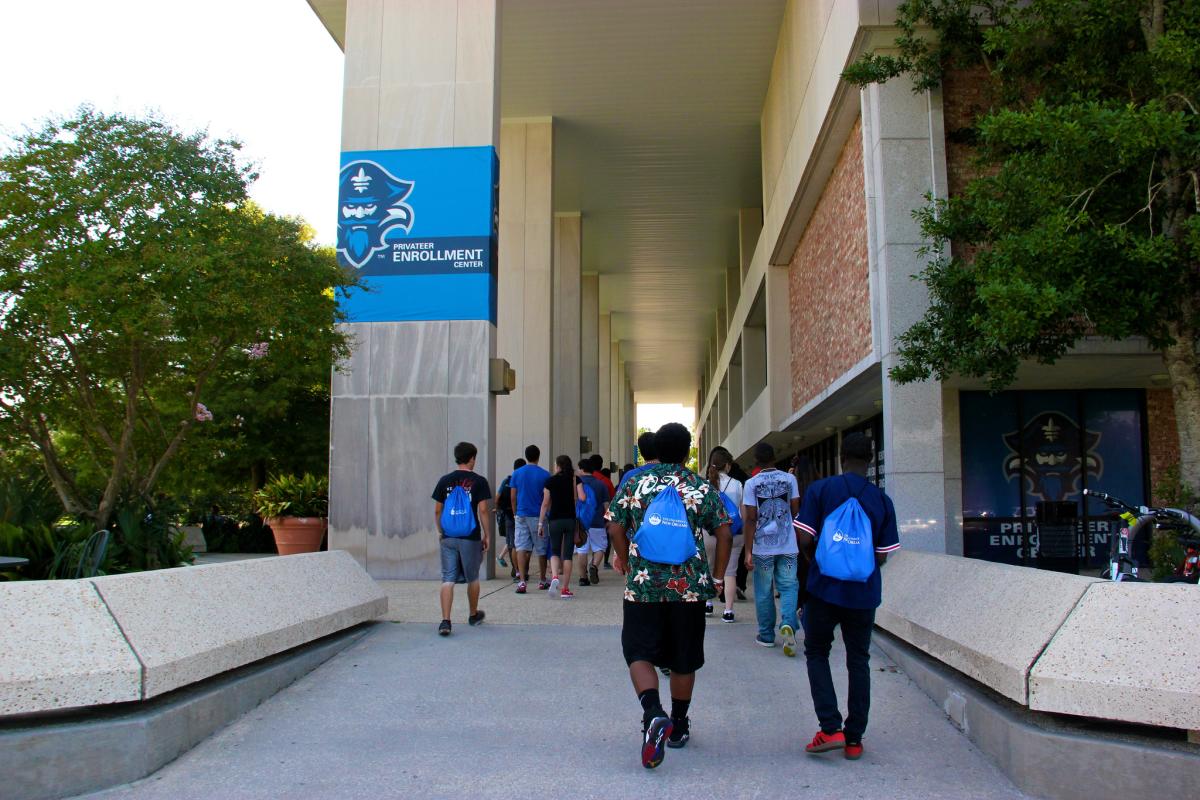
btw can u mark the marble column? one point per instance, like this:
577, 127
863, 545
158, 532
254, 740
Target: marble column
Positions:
614, 402
565, 369
526, 284
417, 75
589, 360
903, 159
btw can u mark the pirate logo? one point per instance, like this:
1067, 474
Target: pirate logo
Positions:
1053, 466
371, 205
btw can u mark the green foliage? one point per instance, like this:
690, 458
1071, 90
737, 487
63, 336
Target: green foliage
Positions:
1083, 218
140, 286
1166, 553
145, 538
292, 496
1172, 491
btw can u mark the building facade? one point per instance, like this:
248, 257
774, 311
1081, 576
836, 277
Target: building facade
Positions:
686, 204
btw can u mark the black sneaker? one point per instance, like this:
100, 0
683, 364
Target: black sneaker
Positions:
444, 628
681, 731
584, 582
593, 574
476, 618
708, 608
654, 734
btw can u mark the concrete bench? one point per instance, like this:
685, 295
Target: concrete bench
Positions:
71, 644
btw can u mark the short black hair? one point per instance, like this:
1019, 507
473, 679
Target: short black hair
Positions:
520, 462
646, 446
673, 441
464, 452
595, 463
856, 447
606, 472
764, 454
533, 453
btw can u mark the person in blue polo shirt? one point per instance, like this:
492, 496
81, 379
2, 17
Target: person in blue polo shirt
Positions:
850, 604
526, 485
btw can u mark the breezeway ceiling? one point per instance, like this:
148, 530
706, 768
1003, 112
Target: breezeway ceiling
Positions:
656, 106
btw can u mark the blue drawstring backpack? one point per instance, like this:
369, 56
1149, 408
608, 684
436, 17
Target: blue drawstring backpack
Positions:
457, 520
665, 535
846, 548
585, 510
735, 516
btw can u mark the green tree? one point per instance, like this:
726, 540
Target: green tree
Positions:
134, 276
1082, 219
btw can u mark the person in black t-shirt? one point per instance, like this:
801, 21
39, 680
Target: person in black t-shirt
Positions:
507, 519
557, 518
461, 557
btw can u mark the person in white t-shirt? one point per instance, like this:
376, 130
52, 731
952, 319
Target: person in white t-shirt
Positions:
770, 501
718, 475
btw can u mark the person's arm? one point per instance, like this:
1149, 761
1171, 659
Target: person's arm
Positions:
512, 494
545, 508
579, 493
437, 517
620, 546
888, 540
749, 523
484, 509
724, 549
805, 523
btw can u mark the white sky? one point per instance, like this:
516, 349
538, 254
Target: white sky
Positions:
655, 415
263, 71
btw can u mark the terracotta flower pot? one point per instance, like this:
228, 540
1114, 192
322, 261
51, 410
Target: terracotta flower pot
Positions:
297, 534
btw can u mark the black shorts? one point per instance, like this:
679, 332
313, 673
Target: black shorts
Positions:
667, 635
562, 538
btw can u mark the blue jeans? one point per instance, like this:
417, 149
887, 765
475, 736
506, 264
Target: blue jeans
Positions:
780, 571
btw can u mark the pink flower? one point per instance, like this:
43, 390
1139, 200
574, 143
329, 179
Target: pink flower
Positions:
202, 413
259, 350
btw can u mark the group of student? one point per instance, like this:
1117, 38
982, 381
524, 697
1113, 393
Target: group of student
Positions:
673, 533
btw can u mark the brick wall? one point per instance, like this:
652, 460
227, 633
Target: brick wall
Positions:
1162, 437
965, 94
828, 281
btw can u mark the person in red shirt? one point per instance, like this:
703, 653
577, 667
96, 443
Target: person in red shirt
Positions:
597, 465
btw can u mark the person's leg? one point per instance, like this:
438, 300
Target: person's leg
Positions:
764, 597
731, 574
473, 597
556, 565
742, 572
525, 541
566, 564
856, 635
818, 639
785, 582
447, 597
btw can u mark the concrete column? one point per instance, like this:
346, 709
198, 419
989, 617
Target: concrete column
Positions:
417, 75
604, 388
614, 402
565, 372
750, 223
904, 158
526, 284
589, 360
779, 344
754, 363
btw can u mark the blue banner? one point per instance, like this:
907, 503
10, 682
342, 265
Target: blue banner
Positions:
419, 227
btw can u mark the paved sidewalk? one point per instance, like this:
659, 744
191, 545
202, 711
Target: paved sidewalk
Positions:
406, 714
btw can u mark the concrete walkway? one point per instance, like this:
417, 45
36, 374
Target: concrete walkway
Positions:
537, 703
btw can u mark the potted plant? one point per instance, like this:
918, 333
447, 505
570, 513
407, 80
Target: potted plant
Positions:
295, 508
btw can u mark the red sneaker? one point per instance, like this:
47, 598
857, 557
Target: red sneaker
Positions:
824, 742
853, 751
567, 594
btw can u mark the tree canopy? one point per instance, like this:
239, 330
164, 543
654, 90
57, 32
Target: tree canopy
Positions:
1082, 215
135, 277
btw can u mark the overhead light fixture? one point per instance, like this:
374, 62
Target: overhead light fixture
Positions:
852, 418
879, 405
830, 429
1160, 378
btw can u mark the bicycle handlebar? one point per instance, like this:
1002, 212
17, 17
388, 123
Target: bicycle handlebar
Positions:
1146, 512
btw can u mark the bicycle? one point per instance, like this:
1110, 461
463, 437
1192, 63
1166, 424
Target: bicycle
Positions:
1138, 519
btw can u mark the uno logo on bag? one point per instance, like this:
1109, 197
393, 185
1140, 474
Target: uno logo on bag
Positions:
457, 520
665, 535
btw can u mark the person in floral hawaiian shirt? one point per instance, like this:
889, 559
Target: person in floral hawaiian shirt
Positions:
664, 618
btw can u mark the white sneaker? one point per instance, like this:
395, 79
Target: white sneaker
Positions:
554, 592
789, 641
